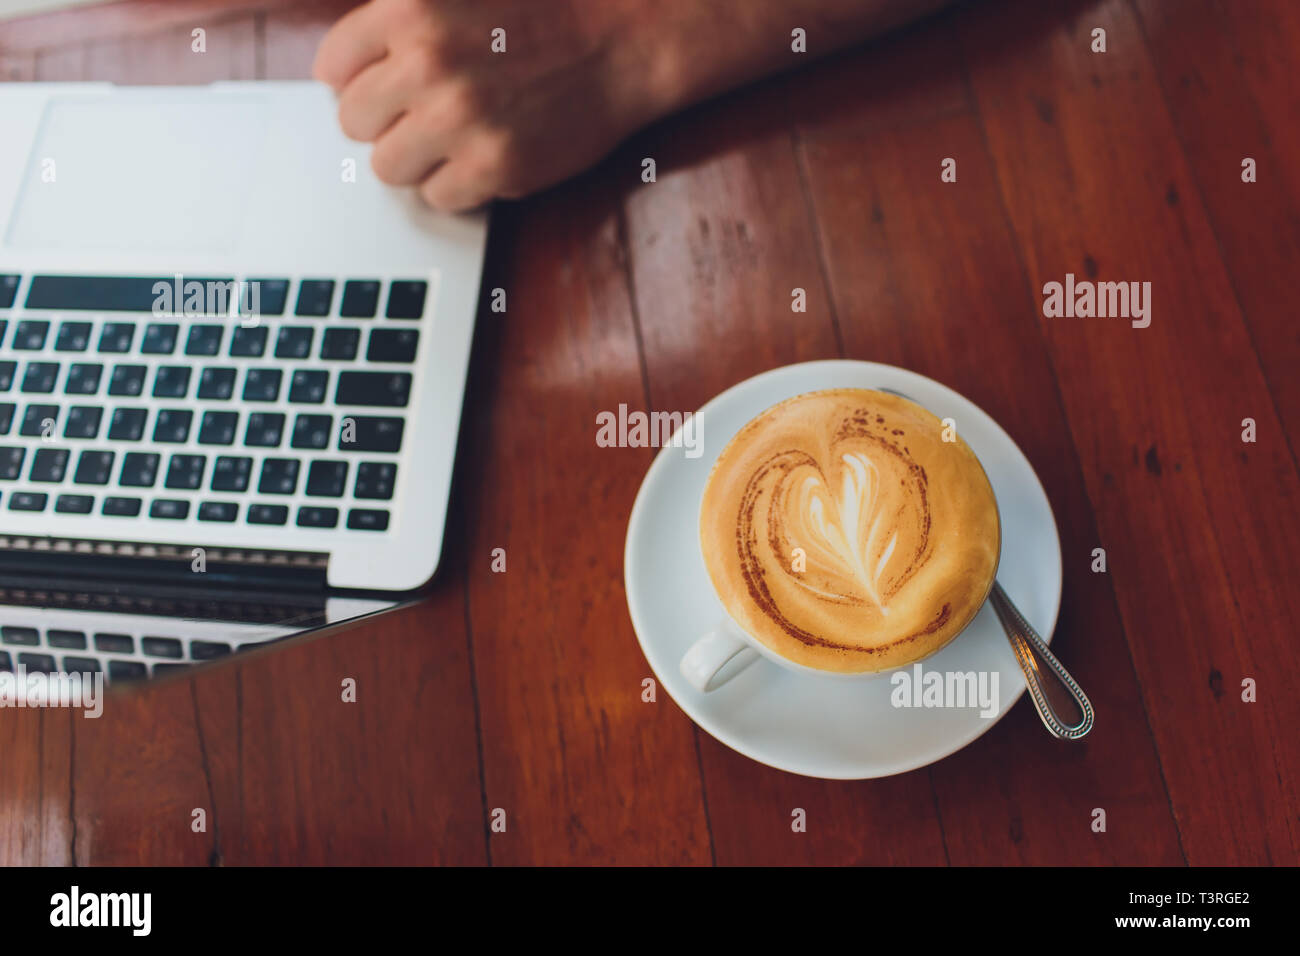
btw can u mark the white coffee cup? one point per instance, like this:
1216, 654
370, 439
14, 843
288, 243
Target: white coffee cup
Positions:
722, 653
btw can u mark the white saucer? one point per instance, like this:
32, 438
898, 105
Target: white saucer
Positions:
827, 726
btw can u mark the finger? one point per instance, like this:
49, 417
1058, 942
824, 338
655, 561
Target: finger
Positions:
458, 186
352, 44
369, 104
383, 91
407, 152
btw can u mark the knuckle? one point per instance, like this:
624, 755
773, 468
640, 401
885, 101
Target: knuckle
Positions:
434, 195
351, 120
384, 163
462, 106
420, 66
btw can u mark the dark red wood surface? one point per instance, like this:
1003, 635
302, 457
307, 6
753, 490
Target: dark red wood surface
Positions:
522, 691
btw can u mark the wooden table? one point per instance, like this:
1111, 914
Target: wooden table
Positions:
522, 690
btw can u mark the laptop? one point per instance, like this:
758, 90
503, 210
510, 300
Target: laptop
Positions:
232, 365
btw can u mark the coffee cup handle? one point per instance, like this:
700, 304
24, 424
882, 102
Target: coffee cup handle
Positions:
707, 658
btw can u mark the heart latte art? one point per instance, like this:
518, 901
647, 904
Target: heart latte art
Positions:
845, 534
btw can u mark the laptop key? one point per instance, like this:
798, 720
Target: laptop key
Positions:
308, 386
279, 476
327, 479
392, 345
65, 640
169, 509
83, 379
340, 344
115, 643
162, 647
82, 422
11, 463
367, 519
208, 650
231, 473
20, 636
118, 507
310, 516
360, 299
7, 410
37, 663
369, 433
39, 421
94, 468
29, 336
40, 377
116, 337
248, 342
314, 297
127, 424
27, 501
262, 385
294, 341
375, 479
264, 430
268, 514
185, 472
406, 300
127, 380
159, 338
73, 337
7, 370
265, 296
87, 666
172, 426
74, 504
312, 431
218, 511
217, 384
127, 671
49, 465
204, 340
392, 389
171, 381
139, 469
8, 289
218, 428
64, 293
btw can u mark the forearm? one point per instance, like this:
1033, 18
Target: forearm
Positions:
724, 43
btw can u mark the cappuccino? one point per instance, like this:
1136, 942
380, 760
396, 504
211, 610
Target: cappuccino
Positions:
848, 530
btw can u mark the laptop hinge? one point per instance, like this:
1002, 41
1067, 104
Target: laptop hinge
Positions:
182, 565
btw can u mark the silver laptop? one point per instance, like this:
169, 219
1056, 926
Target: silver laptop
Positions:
231, 363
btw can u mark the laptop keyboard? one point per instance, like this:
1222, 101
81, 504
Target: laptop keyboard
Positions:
126, 653
295, 417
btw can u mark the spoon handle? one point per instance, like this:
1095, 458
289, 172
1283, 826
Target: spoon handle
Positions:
1029, 648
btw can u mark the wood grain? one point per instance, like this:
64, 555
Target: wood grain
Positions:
586, 770
36, 796
1193, 519
725, 236
1223, 72
523, 691
876, 187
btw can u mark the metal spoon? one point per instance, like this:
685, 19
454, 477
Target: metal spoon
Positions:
1030, 649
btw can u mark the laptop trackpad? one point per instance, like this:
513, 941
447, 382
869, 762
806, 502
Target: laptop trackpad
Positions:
141, 171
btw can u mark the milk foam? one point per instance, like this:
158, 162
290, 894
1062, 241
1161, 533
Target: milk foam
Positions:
843, 532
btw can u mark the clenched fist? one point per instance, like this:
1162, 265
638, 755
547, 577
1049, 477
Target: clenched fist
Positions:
472, 100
